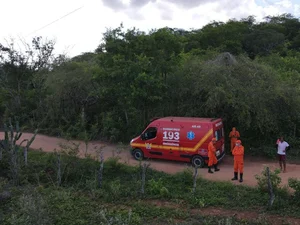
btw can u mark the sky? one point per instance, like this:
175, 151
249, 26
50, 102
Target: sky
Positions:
77, 25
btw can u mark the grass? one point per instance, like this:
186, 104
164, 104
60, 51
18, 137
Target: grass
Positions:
79, 201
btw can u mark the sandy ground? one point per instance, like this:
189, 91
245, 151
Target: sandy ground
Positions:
252, 166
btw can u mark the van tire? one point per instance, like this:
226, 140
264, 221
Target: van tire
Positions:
138, 154
198, 161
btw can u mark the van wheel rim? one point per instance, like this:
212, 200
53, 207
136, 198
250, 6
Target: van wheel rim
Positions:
137, 155
197, 162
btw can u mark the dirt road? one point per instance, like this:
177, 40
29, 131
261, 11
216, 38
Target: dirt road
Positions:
251, 167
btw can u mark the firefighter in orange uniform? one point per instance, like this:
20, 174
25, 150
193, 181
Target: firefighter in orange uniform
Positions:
212, 159
233, 135
238, 153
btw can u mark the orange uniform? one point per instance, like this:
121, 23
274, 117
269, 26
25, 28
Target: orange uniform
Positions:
233, 135
212, 159
238, 153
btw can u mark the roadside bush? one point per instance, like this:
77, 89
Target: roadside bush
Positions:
262, 180
30, 209
156, 187
106, 218
265, 151
295, 184
185, 177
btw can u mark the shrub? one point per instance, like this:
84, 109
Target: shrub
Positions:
295, 184
262, 180
106, 218
31, 208
156, 187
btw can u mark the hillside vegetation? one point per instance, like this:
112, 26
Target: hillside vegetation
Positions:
244, 71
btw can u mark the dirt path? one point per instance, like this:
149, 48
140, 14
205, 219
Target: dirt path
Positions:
251, 167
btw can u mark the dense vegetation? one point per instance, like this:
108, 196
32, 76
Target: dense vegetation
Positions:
244, 71
75, 197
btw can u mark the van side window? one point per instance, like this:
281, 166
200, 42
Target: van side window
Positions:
150, 133
219, 134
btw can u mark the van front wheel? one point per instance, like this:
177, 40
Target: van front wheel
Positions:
138, 154
198, 161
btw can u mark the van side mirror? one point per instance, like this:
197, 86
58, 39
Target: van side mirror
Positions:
143, 136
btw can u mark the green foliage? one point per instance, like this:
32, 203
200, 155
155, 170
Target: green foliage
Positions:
263, 151
295, 184
246, 72
30, 209
79, 201
262, 180
156, 187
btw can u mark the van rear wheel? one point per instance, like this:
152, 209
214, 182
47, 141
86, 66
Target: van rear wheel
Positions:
138, 154
198, 161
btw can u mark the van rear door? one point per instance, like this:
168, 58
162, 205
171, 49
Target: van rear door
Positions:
219, 135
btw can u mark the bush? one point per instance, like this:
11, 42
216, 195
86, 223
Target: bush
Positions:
106, 218
265, 151
263, 180
295, 184
31, 208
156, 187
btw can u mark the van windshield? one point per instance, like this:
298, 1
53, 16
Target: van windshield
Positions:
219, 134
150, 133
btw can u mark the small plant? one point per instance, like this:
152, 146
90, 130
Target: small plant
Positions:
115, 188
65, 158
11, 148
70, 148
262, 180
164, 192
113, 163
106, 218
156, 187
295, 184
196, 201
30, 209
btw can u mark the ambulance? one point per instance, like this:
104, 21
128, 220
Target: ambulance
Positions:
183, 139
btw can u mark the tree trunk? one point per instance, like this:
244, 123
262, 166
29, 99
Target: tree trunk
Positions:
126, 116
83, 115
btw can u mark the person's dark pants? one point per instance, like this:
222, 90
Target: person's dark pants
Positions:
282, 161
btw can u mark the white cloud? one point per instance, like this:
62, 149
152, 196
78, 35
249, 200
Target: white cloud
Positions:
284, 4
82, 30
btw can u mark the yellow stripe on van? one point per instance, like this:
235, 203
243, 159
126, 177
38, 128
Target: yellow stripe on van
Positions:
209, 133
166, 147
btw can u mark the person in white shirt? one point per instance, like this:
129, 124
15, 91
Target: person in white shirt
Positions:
282, 147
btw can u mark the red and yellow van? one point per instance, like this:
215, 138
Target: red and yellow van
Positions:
180, 138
